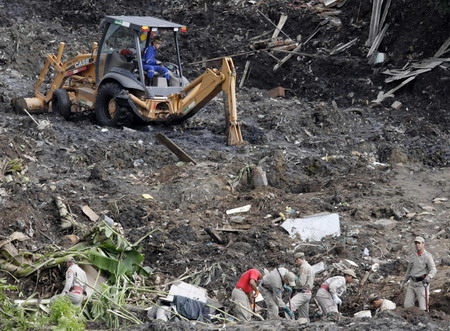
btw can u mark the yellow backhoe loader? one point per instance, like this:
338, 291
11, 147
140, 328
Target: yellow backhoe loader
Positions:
112, 80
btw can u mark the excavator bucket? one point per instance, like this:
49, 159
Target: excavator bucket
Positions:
32, 105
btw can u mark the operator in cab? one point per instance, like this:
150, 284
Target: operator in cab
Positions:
150, 64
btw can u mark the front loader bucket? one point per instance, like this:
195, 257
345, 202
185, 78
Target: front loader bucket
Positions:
32, 105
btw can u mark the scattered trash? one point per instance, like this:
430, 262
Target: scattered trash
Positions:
242, 209
366, 252
70, 240
107, 220
363, 314
439, 200
147, 196
313, 227
378, 57
396, 105
318, 267
90, 213
277, 92
186, 290
375, 267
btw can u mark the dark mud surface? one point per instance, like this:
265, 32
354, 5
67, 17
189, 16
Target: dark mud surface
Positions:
324, 148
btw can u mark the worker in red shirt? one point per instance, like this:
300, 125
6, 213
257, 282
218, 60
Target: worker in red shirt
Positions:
244, 294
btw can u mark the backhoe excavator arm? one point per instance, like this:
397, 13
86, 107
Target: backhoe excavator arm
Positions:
198, 93
62, 70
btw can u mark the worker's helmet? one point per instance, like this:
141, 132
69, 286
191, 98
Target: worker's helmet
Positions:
70, 259
290, 278
373, 297
349, 272
419, 239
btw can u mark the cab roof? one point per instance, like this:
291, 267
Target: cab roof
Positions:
137, 22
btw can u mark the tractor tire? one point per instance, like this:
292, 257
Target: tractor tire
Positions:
61, 103
107, 111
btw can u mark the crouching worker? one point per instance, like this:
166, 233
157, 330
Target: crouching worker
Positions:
244, 294
272, 287
329, 293
380, 304
75, 282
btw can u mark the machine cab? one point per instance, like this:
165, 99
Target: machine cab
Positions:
124, 42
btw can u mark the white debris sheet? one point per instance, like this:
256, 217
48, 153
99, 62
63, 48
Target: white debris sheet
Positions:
314, 227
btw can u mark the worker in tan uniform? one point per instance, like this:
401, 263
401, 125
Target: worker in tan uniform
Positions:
76, 281
380, 304
272, 287
421, 269
303, 286
329, 293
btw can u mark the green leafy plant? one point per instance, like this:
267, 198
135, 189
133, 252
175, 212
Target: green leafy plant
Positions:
65, 316
16, 317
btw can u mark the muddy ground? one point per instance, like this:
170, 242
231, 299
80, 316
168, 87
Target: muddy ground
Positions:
325, 148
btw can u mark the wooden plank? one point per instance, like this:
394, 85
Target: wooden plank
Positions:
182, 155
280, 25
377, 41
230, 230
406, 75
443, 49
383, 95
272, 56
339, 48
244, 75
376, 28
272, 23
214, 236
90, 213
265, 33
372, 23
385, 12
286, 58
429, 63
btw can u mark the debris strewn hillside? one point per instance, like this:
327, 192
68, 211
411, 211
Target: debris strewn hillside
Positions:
324, 147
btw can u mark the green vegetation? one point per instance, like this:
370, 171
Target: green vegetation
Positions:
112, 254
64, 316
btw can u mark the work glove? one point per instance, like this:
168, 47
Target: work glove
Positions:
289, 312
287, 288
426, 281
336, 299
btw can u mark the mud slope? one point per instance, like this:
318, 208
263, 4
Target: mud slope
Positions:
324, 148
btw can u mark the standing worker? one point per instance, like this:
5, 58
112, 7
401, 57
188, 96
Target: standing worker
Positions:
243, 296
303, 286
76, 281
328, 295
421, 269
150, 64
272, 287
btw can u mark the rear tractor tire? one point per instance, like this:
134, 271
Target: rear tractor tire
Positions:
107, 111
61, 103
